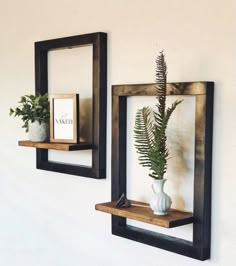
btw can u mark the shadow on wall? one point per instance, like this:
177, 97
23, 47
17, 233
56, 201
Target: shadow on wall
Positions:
181, 144
181, 166
86, 120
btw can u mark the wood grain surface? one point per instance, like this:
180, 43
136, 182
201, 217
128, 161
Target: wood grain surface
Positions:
142, 212
56, 146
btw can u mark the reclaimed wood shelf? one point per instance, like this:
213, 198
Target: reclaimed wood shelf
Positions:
142, 212
56, 146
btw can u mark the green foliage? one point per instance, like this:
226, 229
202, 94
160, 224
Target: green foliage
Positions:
150, 127
143, 134
32, 108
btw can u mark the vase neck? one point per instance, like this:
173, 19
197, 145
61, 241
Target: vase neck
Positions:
158, 185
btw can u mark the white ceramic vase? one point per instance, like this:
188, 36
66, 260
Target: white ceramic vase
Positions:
37, 132
160, 202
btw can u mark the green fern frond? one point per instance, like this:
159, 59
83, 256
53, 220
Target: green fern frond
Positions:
143, 135
150, 134
170, 110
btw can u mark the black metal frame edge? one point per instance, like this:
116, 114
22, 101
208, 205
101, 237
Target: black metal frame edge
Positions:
99, 42
169, 243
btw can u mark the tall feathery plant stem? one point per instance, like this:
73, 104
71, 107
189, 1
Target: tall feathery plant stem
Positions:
150, 136
161, 77
160, 130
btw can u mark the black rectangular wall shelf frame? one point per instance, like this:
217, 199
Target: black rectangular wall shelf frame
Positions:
99, 42
199, 248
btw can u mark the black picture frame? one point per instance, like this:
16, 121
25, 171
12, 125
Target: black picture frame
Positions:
199, 248
99, 106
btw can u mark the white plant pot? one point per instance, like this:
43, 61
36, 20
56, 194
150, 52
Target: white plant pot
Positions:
160, 202
37, 132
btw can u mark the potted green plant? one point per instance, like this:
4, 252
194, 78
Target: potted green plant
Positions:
34, 111
151, 140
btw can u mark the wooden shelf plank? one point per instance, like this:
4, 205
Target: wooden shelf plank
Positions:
56, 146
142, 212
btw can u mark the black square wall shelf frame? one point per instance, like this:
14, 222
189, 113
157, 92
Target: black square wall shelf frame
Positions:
99, 42
199, 247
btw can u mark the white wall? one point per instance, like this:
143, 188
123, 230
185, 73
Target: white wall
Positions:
47, 218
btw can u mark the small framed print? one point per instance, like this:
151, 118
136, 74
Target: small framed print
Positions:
64, 118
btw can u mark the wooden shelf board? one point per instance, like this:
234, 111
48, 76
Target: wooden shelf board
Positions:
142, 212
56, 146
